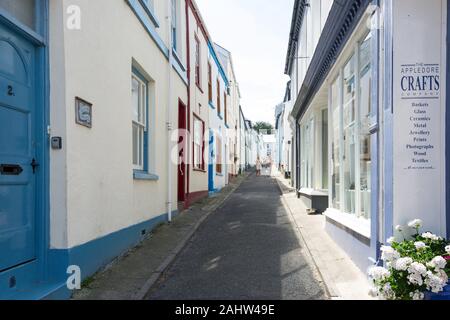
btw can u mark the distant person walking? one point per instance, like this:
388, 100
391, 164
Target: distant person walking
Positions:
258, 167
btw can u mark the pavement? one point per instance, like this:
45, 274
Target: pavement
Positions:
246, 249
343, 279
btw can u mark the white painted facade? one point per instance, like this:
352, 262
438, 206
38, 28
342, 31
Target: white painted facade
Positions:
93, 191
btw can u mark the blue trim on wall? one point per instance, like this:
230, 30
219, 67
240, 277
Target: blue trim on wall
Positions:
219, 65
148, 24
96, 254
388, 143
447, 129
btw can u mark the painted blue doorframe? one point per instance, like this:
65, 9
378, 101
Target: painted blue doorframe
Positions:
17, 282
211, 162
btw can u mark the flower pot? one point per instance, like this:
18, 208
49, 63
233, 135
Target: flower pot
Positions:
445, 295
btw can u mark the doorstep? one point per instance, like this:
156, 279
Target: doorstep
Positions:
342, 277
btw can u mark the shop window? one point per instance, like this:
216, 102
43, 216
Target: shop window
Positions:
325, 149
335, 145
350, 138
365, 85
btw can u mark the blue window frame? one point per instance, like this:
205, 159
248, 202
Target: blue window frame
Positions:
149, 8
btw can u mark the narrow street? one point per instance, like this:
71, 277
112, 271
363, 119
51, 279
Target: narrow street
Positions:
246, 249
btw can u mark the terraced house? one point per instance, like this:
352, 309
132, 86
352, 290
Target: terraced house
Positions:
91, 95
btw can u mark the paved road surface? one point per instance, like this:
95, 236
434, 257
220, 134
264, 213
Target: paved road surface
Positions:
246, 249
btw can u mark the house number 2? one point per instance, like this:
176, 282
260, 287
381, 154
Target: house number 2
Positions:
11, 91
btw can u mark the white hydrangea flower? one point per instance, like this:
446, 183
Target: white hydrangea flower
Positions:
420, 245
443, 275
379, 273
391, 240
415, 279
437, 263
415, 224
387, 292
417, 295
417, 268
430, 236
447, 249
434, 282
402, 264
389, 254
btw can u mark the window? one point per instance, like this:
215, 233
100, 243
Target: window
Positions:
210, 94
218, 155
325, 149
199, 130
197, 62
139, 93
365, 91
219, 111
335, 145
349, 127
174, 26
23, 10
307, 154
225, 107
351, 142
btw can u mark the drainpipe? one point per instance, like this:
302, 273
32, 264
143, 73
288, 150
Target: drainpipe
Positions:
169, 114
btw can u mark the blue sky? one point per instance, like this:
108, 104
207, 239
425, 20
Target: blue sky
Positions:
257, 34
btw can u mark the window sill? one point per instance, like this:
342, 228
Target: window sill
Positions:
199, 88
220, 116
145, 176
150, 13
219, 174
199, 170
313, 192
359, 225
211, 105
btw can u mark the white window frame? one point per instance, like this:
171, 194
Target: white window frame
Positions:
139, 122
354, 51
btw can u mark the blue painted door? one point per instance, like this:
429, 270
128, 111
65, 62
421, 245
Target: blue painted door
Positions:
18, 162
211, 162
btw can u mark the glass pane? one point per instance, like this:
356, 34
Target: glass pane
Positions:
135, 85
335, 145
22, 10
349, 137
325, 149
135, 145
365, 141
